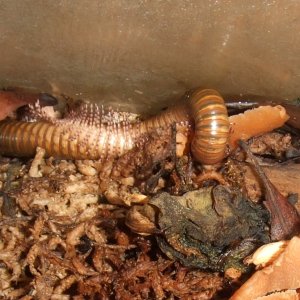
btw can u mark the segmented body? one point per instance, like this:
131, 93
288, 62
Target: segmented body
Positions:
211, 126
77, 139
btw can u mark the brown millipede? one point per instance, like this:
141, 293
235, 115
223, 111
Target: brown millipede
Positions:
78, 139
211, 126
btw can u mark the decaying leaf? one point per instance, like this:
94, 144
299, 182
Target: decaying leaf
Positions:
210, 228
285, 221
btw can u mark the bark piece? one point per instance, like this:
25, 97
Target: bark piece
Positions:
285, 177
282, 275
285, 221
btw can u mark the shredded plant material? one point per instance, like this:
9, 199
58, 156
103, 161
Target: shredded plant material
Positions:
60, 239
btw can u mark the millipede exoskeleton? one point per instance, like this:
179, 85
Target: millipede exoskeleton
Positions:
211, 126
90, 135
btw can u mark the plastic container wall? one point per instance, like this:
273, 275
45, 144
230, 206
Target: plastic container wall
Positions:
141, 55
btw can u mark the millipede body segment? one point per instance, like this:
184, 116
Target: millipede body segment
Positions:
87, 136
211, 126
64, 140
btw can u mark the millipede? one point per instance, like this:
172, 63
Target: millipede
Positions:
211, 126
81, 138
